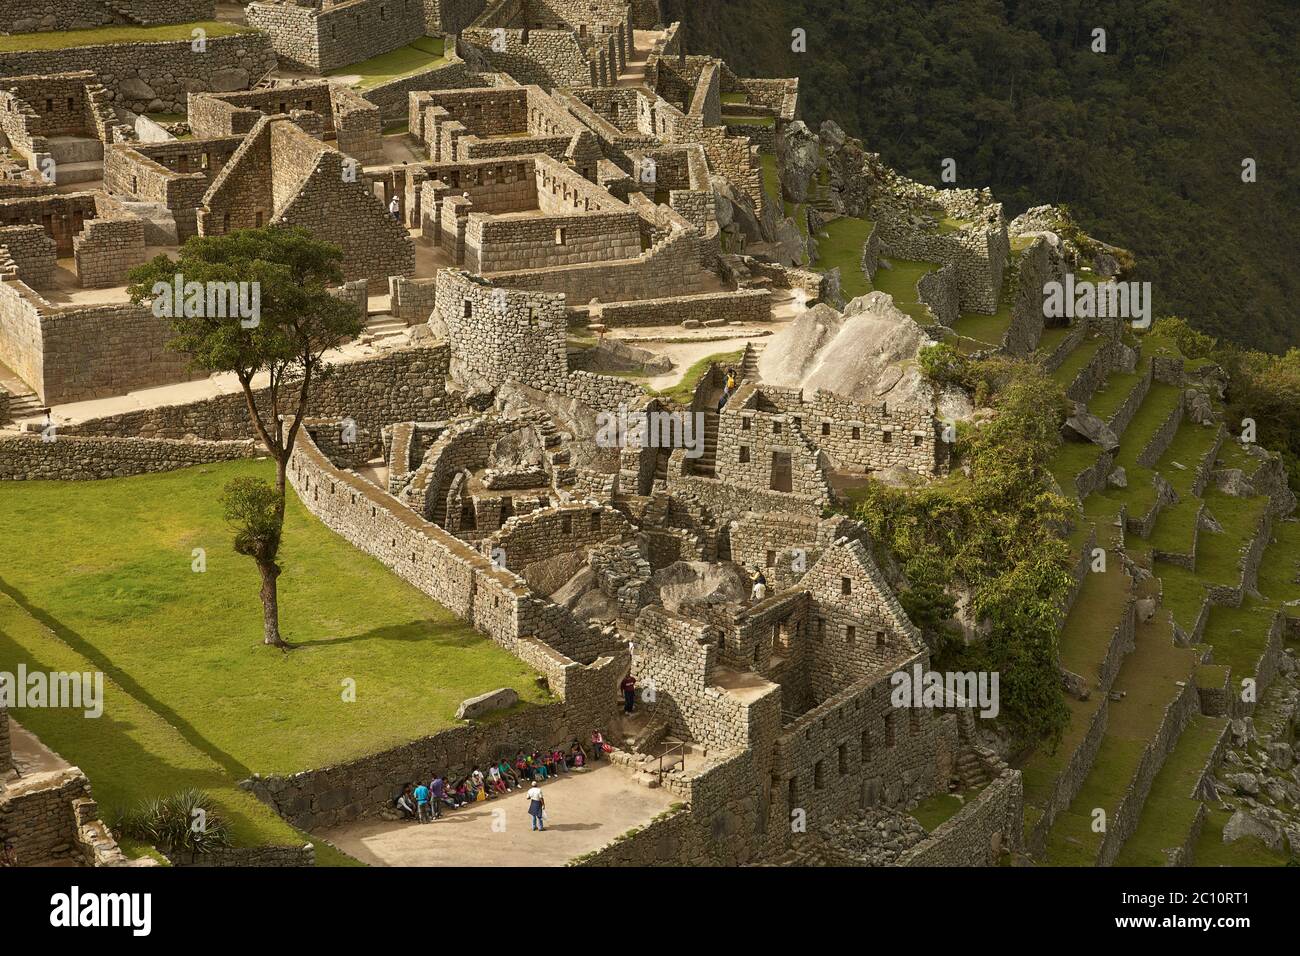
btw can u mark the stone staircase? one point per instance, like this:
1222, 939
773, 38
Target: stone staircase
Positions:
24, 405
970, 770
707, 464
749, 362
383, 326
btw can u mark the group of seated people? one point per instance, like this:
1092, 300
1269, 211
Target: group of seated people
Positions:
425, 803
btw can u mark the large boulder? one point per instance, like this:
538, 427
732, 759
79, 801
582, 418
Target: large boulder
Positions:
498, 699
800, 153
866, 353
1244, 823
1091, 428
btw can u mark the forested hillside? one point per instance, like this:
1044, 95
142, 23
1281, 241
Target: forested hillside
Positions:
1144, 143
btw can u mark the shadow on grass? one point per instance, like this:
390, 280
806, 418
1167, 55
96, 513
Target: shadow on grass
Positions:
412, 631
428, 629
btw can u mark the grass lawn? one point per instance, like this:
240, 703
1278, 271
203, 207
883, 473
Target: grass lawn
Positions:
63, 39
939, 808
131, 753
107, 565
1279, 570
1191, 444
900, 282
989, 329
1175, 530
1170, 809
418, 55
748, 120
1077, 360
684, 391
1248, 851
1070, 460
1088, 629
1114, 393
842, 246
771, 178
1239, 636
1052, 338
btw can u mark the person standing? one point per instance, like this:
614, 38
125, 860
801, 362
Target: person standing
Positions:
395, 209
628, 687
536, 807
438, 792
422, 803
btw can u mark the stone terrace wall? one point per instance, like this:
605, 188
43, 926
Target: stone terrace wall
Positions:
45, 15
6, 751
980, 832
743, 305
330, 796
155, 77
401, 385
28, 457
37, 817
276, 856
494, 601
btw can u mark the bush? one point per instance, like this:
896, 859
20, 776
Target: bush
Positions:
185, 822
995, 534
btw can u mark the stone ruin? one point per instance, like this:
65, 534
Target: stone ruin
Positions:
564, 182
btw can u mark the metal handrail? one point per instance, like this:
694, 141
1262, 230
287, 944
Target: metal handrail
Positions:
680, 750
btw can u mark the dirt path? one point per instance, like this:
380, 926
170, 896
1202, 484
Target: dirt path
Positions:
587, 810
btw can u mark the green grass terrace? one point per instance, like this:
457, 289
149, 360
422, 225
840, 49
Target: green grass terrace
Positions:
418, 55
106, 565
67, 39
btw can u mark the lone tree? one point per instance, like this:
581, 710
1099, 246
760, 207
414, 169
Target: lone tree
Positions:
256, 302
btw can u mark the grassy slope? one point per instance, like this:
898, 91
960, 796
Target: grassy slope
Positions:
114, 581
1236, 635
415, 56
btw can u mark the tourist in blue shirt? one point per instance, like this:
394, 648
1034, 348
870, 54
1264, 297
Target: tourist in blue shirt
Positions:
422, 802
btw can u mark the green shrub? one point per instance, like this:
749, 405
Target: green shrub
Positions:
185, 822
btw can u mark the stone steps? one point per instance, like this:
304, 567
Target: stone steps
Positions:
68, 173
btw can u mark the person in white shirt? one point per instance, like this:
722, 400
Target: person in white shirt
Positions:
395, 209
536, 807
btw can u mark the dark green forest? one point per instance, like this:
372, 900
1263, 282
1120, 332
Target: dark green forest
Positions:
1144, 143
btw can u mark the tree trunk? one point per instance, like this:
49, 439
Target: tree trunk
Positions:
270, 604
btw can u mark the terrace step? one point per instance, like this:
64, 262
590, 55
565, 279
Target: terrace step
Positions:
23, 406
66, 173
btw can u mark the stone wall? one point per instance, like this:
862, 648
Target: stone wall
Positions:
322, 38
70, 353
743, 305
28, 457
275, 856
980, 832
547, 532
979, 252
502, 334
155, 77
6, 751
493, 600
45, 15
941, 291
401, 385
329, 796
